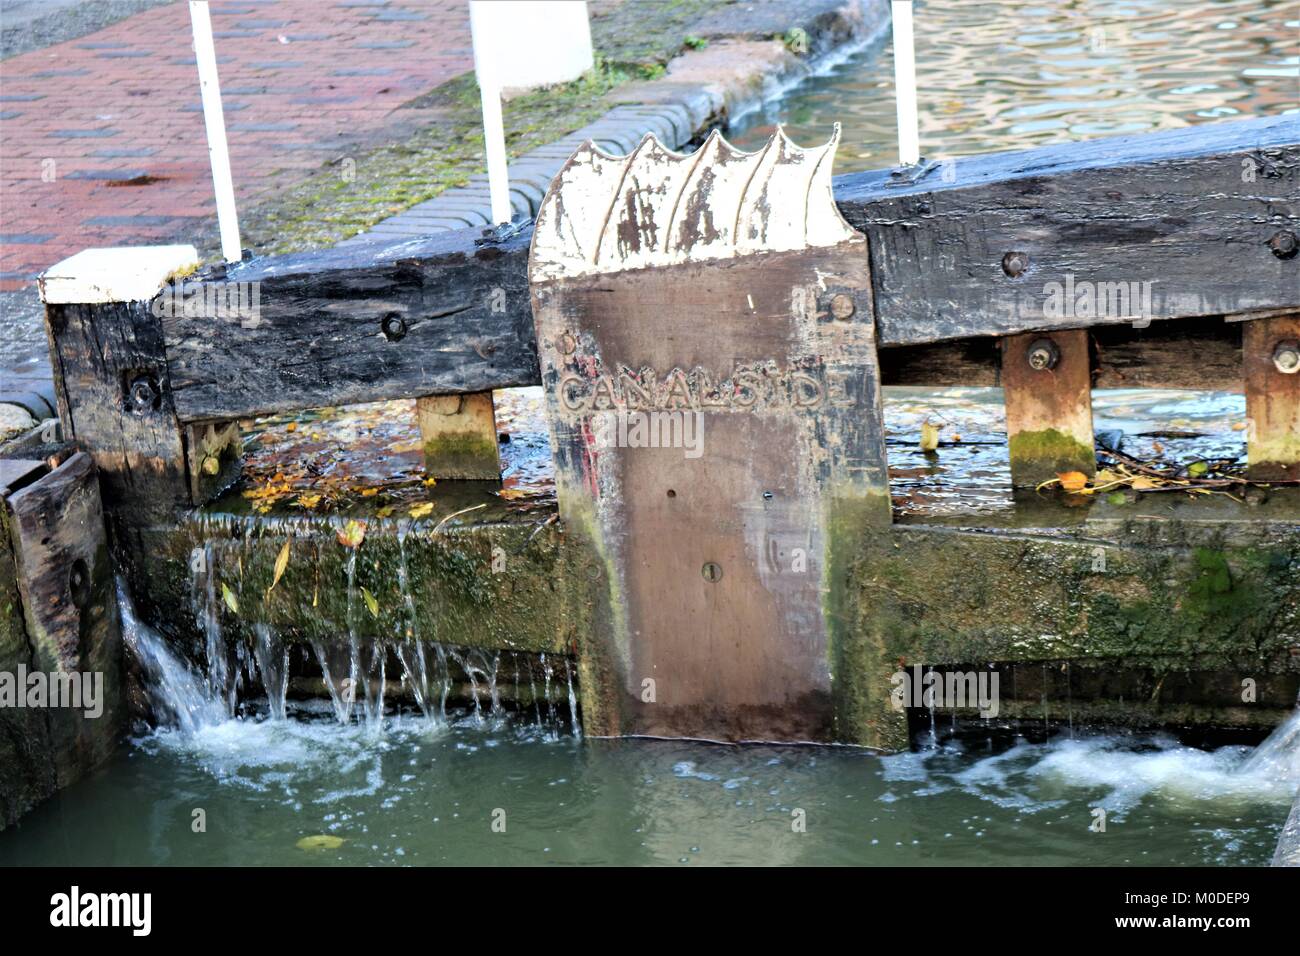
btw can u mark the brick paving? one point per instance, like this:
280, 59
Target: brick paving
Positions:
102, 140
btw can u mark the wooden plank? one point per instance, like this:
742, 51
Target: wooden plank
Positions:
1271, 353
445, 315
715, 550
459, 434
1156, 208
65, 583
114, 400
1177, 223
1201, 353
1048, 394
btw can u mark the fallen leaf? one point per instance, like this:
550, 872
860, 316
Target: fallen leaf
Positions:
419, 511
1073, 480
281, 562
929, 437
372, 605
320, 842
1143, 483
352, 534
228, 596
1197, 469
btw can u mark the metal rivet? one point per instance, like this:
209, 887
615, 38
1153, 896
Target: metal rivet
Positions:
671, 493
712, 572
1042, 355
1286, 357
1014, 264
842, 307
1284, 244
142, 393
79, 583
394, 326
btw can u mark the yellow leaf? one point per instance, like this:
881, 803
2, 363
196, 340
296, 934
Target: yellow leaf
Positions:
352, 534
419, 511
1073, 480
1143, 483
291, 427
369, 492
321, 842
228, 596
371, 604
929, 436
430, 482
281, 562
510, 494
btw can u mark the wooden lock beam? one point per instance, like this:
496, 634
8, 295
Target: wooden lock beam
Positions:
1046, 381
1271, 367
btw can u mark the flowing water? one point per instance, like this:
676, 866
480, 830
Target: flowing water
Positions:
440, 776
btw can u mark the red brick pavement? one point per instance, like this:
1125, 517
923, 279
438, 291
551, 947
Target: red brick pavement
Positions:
299, 78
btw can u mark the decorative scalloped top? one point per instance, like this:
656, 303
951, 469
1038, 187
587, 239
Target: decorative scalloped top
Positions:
656, 207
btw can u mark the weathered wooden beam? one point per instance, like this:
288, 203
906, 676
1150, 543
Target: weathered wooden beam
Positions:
443, 315
1200, 353
1190, 222
1271, 352
111, 374
450, 314
1046, 383
459, 435
65, 585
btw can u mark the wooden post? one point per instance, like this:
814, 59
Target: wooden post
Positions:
1046, 379
63, 580
716, 423
110, 370
1271, 362
459, 434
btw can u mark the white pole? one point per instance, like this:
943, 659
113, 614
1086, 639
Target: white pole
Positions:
494, 134
909, 140
205, 53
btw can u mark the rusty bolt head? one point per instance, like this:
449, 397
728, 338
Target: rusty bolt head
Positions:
1284, 244
1014, 264
712, 572
842, 307
393, 326
1286, 357
79, 583
1042, 355
142, 394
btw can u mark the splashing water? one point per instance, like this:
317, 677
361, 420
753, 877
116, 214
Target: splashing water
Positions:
176, 693
273, 664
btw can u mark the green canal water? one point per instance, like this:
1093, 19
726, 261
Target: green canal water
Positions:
424, 793
478, 788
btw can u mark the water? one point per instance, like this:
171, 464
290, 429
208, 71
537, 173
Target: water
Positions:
424, 793
999, 75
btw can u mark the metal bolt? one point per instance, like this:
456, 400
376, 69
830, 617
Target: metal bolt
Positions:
712, 572
1286, 357
1284, 244
1014, 264
142, 393
79, 583
394, 326
842, 307
1042, 355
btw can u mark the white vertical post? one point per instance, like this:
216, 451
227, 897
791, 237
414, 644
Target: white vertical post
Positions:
205, 53
909, 140
494, 134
